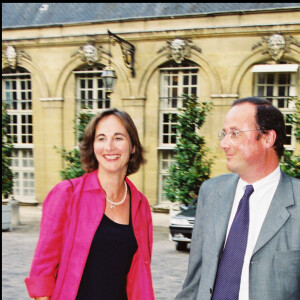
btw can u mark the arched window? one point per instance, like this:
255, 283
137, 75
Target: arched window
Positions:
16, 92
175, 81
278, 83
90, 92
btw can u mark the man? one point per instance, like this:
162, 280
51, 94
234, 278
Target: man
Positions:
250, 250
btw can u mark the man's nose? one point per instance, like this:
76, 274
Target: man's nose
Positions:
225, 142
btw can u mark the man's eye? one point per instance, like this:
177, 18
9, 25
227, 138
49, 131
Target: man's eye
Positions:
235, 133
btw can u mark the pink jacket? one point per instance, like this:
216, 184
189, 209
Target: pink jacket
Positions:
69, 222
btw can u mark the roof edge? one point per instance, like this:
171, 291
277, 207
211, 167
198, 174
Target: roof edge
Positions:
238, 12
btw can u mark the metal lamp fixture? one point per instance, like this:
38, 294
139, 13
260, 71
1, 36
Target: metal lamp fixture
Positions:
109, 76
128, 50
109, 79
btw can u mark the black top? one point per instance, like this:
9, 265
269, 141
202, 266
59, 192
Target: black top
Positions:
108, 262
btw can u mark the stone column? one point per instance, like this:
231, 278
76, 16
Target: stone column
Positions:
48, 133
135, 107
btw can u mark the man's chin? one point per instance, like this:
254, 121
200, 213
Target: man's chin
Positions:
230, 166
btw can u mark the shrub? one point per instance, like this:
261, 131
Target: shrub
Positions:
192, 165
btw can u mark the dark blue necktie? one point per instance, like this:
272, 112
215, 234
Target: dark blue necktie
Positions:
229, 273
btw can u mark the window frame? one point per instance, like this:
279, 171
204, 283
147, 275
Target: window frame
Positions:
163, 172
20, 111
94, 89
285, 102
167, 100
167, 107
20, 171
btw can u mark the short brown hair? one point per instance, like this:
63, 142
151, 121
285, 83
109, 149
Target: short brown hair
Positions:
88, 158
268, 117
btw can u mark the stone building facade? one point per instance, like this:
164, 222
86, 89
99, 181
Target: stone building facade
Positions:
51, 68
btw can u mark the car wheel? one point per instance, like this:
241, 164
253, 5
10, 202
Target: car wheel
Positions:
181, 246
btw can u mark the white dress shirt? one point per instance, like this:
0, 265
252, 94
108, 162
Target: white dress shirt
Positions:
259, 203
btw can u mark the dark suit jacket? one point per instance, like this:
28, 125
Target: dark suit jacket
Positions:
275, 263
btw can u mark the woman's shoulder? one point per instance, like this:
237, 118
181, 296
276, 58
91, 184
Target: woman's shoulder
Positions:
66, 186
74, 182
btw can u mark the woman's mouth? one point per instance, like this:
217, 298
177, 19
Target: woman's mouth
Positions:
111, 157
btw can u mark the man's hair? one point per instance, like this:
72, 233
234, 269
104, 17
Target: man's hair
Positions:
268, 117
88, 158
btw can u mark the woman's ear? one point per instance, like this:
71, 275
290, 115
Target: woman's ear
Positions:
133, 150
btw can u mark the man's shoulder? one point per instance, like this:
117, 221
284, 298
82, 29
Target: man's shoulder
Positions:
295, 184
222, 179
220, 182
293, 180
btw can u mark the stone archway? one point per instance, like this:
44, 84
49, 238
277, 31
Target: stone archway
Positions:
214, 82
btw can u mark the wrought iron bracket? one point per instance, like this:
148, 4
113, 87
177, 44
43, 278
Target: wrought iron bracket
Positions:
128, 51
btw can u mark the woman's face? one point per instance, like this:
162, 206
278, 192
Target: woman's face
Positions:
112, 145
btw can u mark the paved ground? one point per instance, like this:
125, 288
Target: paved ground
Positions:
168, 265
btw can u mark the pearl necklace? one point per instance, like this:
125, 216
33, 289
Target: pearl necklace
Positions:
112, 203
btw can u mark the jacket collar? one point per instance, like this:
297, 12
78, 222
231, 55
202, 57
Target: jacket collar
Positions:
93, 184
135, 198
278, 212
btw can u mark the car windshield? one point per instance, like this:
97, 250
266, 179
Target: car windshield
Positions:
194, 202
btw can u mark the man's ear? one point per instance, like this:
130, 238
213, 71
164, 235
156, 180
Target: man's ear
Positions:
270, 138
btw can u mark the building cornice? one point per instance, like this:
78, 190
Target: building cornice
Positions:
138, 36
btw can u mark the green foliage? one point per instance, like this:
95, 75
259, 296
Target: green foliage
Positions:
83, 119
296, 120
7, 147
290, 162
192, 165
71, 158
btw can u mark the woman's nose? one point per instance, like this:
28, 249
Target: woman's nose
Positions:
109, 145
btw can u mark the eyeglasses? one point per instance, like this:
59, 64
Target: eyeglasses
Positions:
233, 134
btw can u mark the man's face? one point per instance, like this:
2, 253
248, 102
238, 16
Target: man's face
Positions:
245, 153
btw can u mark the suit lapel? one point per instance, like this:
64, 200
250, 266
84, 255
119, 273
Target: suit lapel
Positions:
277, 214
222, 209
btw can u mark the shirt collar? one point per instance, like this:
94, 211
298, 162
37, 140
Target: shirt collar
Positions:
271, 178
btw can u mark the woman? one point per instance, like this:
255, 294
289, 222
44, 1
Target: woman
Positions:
96, 230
